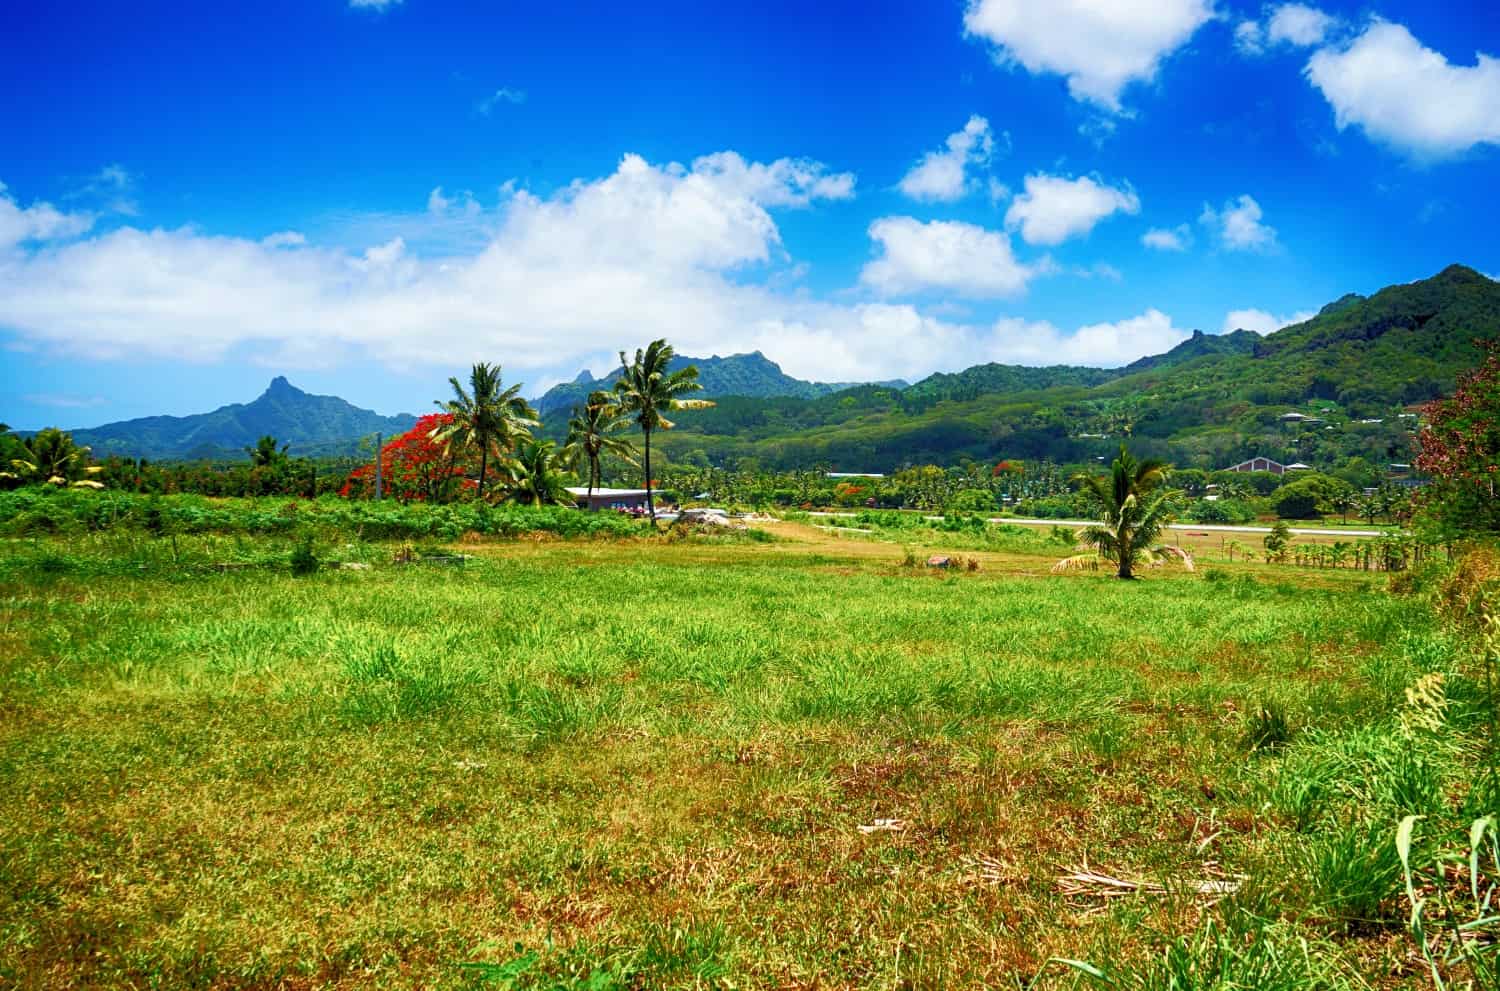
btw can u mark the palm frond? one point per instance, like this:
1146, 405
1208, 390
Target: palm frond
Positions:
1078, 562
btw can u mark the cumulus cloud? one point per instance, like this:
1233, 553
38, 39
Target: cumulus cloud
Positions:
946, 255
1261, 321
1289, 24
1099, 48
690, 252
38, 222
1178, 238
1409, 96
941, 176
1104, 345
1238, 225
1053, 208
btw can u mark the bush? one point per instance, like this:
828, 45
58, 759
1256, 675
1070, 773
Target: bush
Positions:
303, 560
33, 510
1221, 511
972, 501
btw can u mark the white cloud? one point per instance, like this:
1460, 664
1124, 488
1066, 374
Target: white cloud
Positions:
1104, 345
1261, 321
1289, 24
1053, 208
112, 189
373, 4
1099, 48
1238, 226
1300, 25
690, 252
784, 182
38, 222
501, 95
945, 255
941, 175
1250, 37
1178, 238
1409, 96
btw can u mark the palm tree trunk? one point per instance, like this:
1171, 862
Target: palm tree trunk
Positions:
484, 460
650, 504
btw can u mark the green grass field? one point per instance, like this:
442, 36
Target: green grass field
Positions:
646, 763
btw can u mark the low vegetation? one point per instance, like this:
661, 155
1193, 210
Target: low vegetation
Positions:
686, 762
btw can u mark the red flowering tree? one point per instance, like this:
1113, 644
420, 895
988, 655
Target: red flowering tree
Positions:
414, 467
1460, 449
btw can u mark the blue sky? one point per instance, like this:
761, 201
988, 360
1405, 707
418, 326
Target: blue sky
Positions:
369, 196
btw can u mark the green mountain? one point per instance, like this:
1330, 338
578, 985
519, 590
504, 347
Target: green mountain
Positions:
1209, 402
312, 425
750, 374
1357, 370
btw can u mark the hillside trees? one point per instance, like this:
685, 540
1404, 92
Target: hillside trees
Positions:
1460, 449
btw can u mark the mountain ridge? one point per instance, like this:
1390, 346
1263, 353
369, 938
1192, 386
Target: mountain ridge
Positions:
749, 374
1207, 397
311, 424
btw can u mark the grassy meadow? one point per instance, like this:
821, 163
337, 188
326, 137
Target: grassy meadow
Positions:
712, 761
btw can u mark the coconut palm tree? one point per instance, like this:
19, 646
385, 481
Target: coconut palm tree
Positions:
590, 436
486, 418
50, 456
1132, 515
648, 388
537, 479
266, 452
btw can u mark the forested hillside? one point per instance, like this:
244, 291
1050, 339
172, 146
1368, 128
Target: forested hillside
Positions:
1353, 369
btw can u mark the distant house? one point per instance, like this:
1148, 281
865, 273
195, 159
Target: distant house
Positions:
1260, 464
1298, 466
1293, 417
853, 474
608, 498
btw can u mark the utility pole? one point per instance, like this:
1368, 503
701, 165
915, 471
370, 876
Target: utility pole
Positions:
377, 467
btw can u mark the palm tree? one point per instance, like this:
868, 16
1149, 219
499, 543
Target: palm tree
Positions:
266, 453
647, 388
538, 480
590, 435
486, 418
50, 456
1130, 517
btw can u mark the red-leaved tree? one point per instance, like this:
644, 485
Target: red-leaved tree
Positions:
414, 467
1460, 449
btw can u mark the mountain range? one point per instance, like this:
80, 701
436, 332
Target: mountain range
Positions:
315, 426
751, 374
1212, 399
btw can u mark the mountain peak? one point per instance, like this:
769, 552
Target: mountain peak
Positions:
281, 387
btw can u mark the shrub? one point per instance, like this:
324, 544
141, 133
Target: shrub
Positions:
303, 560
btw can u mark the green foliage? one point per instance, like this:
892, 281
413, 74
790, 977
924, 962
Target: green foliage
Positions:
29, 511
1311, 495
303, 560
1131, 512
1277, 541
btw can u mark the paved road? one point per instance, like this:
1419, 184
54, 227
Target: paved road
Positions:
1195, 527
